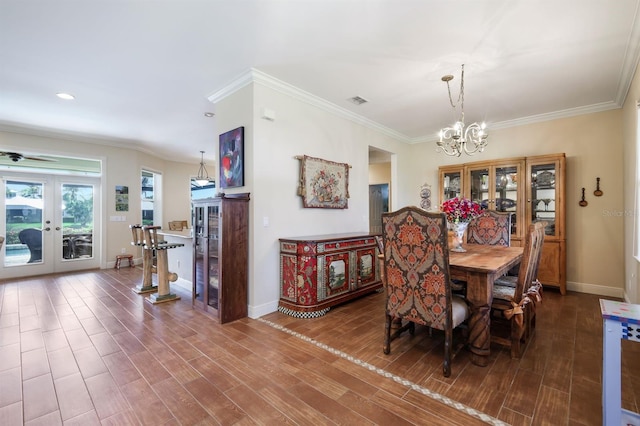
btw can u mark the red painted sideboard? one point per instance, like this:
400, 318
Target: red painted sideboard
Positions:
318, 272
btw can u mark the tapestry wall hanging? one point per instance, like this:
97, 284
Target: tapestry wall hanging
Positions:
323, 184
232, 158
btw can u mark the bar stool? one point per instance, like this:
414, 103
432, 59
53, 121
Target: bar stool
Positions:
164, 276
138, 240
128, 257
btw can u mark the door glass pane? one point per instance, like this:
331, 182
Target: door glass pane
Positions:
506, 193
147, 198
77, 221
214, 271
23, 213
543, 196
480, 187
200, 236
452, 185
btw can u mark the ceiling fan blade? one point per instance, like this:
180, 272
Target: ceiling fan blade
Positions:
38, 159
16, 156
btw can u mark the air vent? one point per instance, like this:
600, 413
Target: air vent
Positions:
358, 100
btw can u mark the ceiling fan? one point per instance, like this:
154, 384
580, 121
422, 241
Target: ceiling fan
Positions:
16, 156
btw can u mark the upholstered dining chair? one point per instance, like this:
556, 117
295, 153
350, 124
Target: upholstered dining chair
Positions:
513, 308
491, 228
418, 284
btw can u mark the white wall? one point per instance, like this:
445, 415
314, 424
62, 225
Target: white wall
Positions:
298, 129
630, 182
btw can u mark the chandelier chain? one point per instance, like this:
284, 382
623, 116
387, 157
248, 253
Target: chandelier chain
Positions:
460, 94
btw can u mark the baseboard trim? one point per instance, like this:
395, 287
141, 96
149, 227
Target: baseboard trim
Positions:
596, 289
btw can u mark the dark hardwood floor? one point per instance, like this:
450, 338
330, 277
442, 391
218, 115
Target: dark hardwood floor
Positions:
83, 349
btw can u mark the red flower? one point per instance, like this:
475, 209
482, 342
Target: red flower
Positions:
460, 209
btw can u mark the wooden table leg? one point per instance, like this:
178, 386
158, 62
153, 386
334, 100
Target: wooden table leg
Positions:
479, 295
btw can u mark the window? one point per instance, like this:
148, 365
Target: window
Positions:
205, 191
151, 185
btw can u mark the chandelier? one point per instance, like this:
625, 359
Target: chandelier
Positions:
203, 176
457, 139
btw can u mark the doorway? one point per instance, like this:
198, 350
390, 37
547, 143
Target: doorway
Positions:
380, 178
50, 223
378, 204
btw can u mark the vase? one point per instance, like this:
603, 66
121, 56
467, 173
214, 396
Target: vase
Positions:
458, 229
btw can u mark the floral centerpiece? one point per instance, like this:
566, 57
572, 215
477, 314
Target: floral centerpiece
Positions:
459, 213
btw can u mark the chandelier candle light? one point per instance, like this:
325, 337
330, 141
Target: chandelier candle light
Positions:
459, 212
457, 139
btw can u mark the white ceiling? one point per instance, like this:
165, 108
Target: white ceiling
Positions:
142, 71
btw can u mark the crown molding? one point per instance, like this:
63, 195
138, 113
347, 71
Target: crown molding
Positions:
82, 137
258, 77
631, 59
539, 118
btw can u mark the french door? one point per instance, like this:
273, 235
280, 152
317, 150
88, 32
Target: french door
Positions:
50, 223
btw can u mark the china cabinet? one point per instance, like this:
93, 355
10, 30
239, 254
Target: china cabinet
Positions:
545, 177
532, 188
318, 272
220, 258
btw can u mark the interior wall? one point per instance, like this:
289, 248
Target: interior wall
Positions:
594, 148
122, 166
379, 173
630, 183
299, 128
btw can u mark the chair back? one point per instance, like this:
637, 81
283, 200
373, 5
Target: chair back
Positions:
533, 241
32, 238
416, 259
540, 230
490, 228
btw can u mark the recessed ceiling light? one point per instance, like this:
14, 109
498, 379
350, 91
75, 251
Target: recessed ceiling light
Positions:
209, 114
65, 96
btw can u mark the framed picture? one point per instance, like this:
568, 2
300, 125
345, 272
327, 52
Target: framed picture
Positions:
122, 198
232, 158
323, 184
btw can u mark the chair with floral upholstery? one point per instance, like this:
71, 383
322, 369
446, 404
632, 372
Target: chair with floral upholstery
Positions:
513, 308
490, 228
416, 263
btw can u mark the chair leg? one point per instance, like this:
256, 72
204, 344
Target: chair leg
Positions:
517, 334
386, 348
448, 341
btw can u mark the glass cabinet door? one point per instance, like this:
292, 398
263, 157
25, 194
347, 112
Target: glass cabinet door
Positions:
213, 219
199, 253
495, 187
451, 183
543, 195
480, 187
506, 193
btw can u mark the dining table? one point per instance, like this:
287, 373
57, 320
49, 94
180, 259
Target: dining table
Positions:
479, 266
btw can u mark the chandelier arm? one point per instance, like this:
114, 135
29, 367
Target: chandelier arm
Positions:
457, 139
